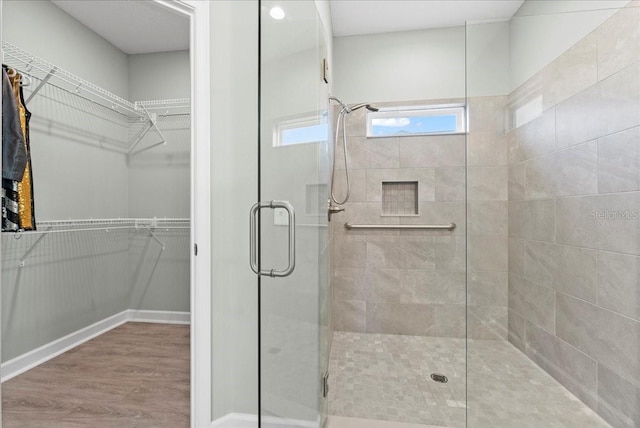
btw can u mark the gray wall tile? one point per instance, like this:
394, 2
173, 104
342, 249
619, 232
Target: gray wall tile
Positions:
609, 338
486, 148
534, 220
618, 41
487, 253
605, 222
572, 368
487, 288
576, 272
619, 161
516, 187
605, 108
619, 283
382, 285
350, 251
358, 185
369, 153
573, 171
516, 332
401, 318
539, 262
487, 183
435, 287
432, 151
516, 256
568, 269
349, 315
575, 70
487, 114
618, 399
535, 138
450, 183
400, 252
450, 252
349, 283
488, 218
487, 322
450, 321
532, 302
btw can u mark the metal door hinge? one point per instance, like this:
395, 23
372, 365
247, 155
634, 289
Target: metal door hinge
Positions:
195, 249
325, 384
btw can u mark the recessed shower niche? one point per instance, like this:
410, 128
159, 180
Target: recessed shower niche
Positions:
399, 198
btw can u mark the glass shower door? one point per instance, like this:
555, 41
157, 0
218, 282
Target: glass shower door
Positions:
290, 219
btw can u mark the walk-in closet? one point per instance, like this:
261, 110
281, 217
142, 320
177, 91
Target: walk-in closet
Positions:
96, 234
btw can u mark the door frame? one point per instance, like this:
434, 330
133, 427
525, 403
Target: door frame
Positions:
198, 13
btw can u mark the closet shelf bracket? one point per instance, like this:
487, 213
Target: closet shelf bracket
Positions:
155, 238
42, 83
152, 123
150, 226
33, 246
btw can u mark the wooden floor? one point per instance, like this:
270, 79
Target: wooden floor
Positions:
136, 375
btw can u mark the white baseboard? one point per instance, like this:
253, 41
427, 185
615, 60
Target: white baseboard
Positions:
44, 353
163, 317
242, 420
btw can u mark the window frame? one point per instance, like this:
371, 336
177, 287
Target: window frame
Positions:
459, 110
297, 122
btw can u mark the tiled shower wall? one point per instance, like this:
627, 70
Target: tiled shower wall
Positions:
413, 282
574, 232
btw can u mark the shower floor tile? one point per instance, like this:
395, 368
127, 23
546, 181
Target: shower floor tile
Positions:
387, 377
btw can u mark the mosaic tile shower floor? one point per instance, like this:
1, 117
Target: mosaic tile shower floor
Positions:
387, 377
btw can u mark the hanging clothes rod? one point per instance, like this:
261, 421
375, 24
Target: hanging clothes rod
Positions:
450, 226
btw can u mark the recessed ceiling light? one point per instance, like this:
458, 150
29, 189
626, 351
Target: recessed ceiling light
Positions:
276, 12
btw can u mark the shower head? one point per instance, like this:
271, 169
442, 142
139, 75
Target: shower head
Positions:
369, 107
348, 109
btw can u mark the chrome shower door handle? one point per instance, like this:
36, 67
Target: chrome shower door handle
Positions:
253, 238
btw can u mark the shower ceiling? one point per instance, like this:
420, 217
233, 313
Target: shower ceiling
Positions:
376, 16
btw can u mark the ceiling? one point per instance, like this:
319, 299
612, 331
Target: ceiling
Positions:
132, 26
353, 17
137, 27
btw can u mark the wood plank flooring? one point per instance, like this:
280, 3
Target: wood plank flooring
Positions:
134, 376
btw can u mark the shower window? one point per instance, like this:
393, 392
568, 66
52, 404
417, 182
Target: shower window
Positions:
311, 128
416, 120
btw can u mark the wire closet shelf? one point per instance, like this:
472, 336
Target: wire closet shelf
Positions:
85, 225
140, 116
148, 225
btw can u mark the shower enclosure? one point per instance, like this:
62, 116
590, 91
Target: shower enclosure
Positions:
523, 315
529, 307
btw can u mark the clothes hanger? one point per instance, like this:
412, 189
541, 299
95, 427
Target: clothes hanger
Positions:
25, 80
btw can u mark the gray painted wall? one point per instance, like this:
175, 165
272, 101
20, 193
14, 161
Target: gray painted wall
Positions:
403, 66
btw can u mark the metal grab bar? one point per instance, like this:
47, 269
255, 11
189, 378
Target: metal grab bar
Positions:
449, 226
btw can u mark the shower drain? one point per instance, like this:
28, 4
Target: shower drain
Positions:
439, 377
